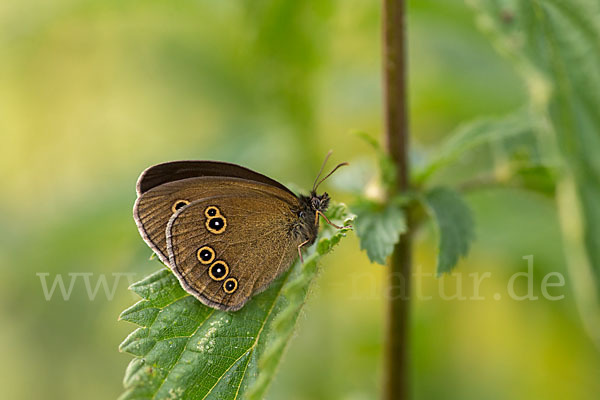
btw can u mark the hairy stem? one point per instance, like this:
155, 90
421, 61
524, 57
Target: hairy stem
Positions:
396, 376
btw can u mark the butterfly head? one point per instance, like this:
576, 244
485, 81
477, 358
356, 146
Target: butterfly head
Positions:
312, 207
307, 225
319, 203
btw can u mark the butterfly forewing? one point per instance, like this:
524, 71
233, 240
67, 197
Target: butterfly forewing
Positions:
177, 170
228, 247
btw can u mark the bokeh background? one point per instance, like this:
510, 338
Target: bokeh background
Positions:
92, 92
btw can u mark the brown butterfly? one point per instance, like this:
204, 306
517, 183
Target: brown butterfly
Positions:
226, 232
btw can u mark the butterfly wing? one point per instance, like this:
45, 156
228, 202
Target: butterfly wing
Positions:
177, 170
227, 247
155, 206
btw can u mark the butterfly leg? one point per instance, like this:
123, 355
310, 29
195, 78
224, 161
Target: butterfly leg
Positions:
300, 251
329, 222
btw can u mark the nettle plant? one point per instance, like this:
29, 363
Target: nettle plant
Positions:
184, 349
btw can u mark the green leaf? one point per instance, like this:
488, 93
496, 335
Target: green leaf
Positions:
185, 350
565, 45
476, 133
378, 227
555, 45
455, 226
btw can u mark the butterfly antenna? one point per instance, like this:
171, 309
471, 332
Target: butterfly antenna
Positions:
321, 170
329, 174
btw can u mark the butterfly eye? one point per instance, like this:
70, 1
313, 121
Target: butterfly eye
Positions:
218, 270
230, 285
178, 204
205, 255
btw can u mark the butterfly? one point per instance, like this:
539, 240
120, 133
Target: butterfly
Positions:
224, 230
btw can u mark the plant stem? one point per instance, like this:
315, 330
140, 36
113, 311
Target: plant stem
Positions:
396, 376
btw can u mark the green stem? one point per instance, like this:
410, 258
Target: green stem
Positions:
396, 376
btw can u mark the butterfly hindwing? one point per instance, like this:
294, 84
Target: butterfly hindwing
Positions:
154, 207
228, 247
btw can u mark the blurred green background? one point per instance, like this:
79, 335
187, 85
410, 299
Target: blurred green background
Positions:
92, 92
